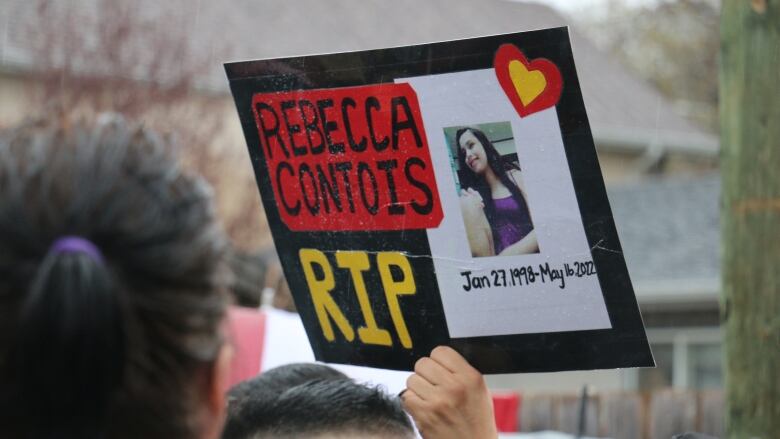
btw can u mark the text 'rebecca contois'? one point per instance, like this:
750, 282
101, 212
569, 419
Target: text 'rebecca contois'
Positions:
352, 158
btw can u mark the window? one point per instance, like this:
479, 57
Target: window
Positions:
685, 358
704, 366
661, 376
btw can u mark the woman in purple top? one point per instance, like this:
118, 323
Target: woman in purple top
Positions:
494, 202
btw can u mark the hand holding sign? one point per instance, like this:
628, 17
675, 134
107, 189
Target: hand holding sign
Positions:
448, 398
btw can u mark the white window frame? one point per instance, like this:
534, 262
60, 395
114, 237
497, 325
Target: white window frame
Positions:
680, 339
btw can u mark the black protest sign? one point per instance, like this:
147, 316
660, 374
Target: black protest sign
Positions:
444, 193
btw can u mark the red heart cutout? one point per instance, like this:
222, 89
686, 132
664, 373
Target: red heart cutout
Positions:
525, 78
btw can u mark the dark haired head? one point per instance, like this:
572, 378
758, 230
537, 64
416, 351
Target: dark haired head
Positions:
278, 379
107, 346
245, 397
496, 163
323, 407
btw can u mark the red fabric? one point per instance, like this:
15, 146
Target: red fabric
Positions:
506, 407
247, 332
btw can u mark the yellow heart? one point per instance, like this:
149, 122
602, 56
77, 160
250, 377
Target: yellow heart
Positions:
528, 84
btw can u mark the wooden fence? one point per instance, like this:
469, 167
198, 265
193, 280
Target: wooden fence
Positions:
630, 415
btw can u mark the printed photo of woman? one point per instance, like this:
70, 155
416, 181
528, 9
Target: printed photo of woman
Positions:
493, 198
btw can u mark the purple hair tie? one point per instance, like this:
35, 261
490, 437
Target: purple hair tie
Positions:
77, 244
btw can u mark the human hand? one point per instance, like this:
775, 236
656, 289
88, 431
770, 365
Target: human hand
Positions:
469, 195
448, 398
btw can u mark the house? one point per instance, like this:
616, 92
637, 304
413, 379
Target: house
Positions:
670, 235
658, 166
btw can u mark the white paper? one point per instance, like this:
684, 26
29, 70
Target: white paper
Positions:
475, 97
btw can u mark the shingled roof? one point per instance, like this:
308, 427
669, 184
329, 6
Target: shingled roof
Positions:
621, 107
670, 233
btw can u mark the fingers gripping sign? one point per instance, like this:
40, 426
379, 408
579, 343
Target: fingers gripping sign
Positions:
448, 398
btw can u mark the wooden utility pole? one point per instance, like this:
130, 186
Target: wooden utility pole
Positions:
750, 143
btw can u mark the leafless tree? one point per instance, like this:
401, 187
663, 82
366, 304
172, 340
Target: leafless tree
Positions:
671, 43
139, 58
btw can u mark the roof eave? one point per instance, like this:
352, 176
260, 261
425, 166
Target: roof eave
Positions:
702, 292
700, 145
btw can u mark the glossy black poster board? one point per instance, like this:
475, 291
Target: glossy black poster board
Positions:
444, 193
